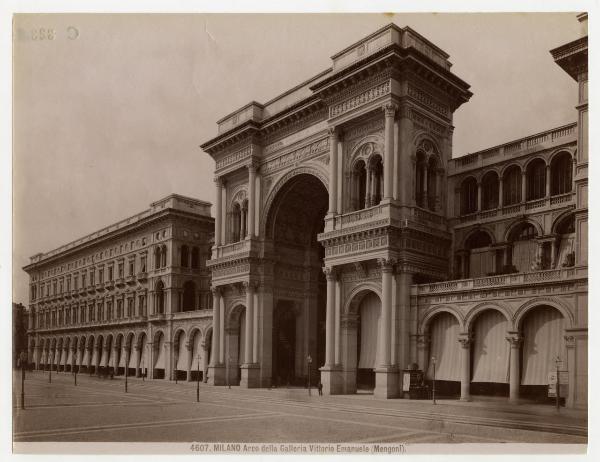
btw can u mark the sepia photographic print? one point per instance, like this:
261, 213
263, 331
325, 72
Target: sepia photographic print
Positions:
300, 234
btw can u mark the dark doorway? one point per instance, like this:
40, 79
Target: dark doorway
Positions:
284, 344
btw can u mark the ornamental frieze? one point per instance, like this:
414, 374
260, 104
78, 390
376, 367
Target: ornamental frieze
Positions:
353, 247
237, 156
361, 99
424, 122
296, 156
427, 100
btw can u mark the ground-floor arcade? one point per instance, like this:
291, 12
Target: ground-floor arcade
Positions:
163, 350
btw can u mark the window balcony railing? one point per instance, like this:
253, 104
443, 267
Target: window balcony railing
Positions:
109, 285
120, 282
130, 279
520, 208
576, 272
142, 276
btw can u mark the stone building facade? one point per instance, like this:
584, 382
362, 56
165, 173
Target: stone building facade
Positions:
133, 296
349, 243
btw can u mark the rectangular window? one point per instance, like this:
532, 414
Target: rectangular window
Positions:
101, 275
121, 269
130, 307
131, 267
110, 273
92, 274
119, 309
143, 264
83, 284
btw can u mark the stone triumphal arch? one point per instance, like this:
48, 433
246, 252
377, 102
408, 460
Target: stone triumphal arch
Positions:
329, 206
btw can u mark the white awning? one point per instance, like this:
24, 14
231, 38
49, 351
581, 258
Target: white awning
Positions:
197, 352
490, 348
86, 357
370, 309
69, 356
543, 340
160, 354
444, 330
94, 356
183, 359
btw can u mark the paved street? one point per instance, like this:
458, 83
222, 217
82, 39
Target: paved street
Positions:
98, 410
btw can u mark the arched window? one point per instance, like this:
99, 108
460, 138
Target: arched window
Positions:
159, 306
511, 185
432, 183
489, 191
163, 260
536, 180
244, 220
189, 296
526, 253
359, 185
195, 258
236, 220
376, 180
157, 257
561, 174
184, 256
468, 196
420, 177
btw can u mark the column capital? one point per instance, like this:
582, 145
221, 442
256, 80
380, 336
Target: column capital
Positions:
252, 166
332, 131
570, 341
465, 339
330, 273
423, 340
389, 109
515, 339
250, 285
216, 290
386, 264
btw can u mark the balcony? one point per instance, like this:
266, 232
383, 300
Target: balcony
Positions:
74, 293
120, 282
82, 291
100, 287
130, 279
91, 289
236, 249
109, 285
536, 277
547, 203
142, 276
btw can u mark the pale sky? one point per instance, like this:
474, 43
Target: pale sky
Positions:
108, 122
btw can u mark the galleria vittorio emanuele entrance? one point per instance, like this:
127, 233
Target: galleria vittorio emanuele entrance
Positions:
296, 217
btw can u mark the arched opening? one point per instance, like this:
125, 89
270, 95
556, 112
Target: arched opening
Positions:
468, 196
536, 179
189, 296
185, 256
511, 185
97, 356
197, 356
182, 356
359, 185
482, 258
299, 302
561, 174
525, 253
235, 222
565, 231
144, 359
120, 355
376, 171
159, 356
157, 257
195, 258
159, 298
490, 354
421, 179
543, 342
130, 356
489, 191
433, 174
69, 355
163, 259
369, 314
444, 330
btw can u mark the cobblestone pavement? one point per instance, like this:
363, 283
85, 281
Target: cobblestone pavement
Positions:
99, 410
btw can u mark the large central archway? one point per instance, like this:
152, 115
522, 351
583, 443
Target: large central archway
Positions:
293, 223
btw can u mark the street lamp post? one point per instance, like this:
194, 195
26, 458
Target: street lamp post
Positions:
75, 376
433, 387
227, 371
309, 361
50, 374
